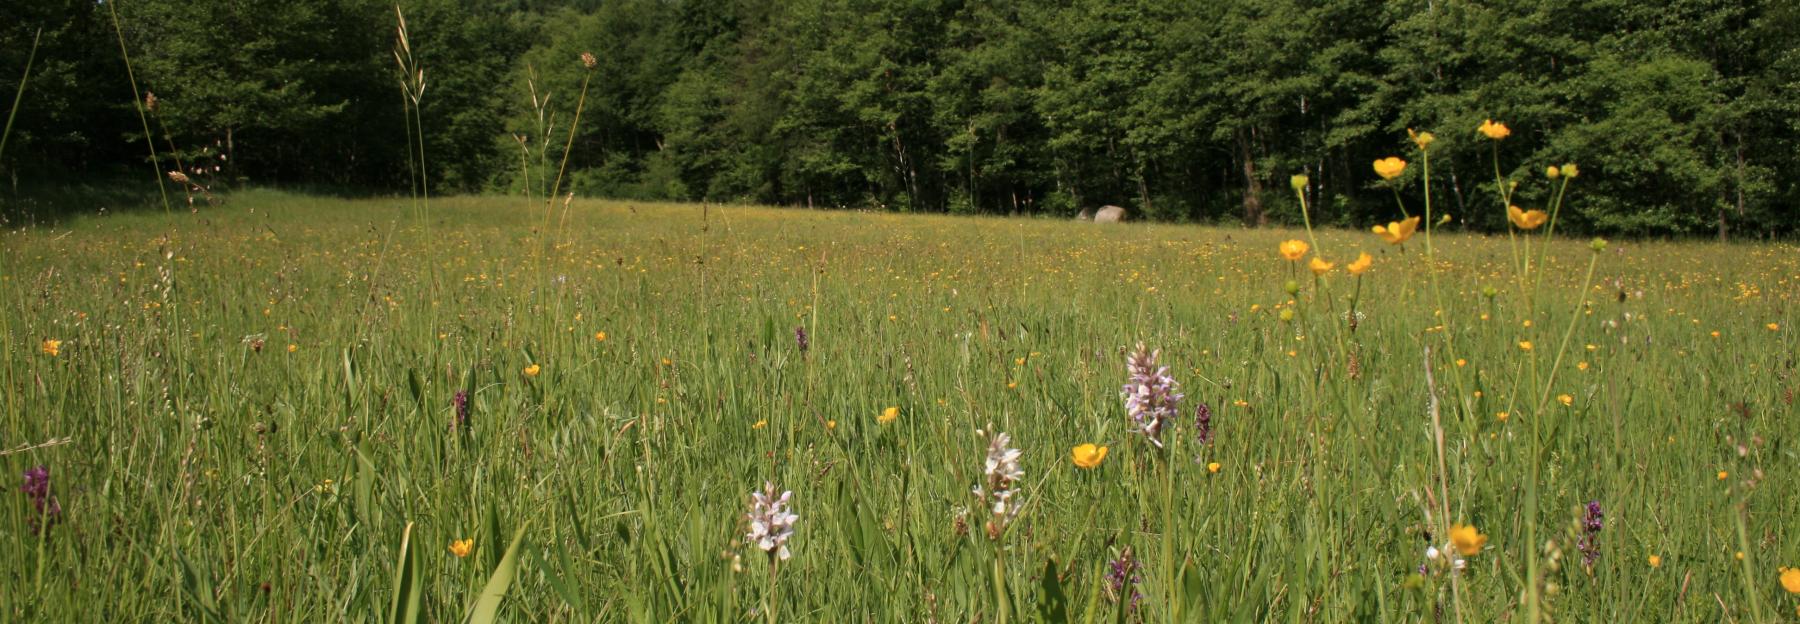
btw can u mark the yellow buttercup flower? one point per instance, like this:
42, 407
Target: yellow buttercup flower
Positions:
1293, 249
1466, 539
760, 423
1213, 467
1361, 264
1526, 219
1790, 580
1566, 400
533, 370
1087, 455
1396, 232
599, 336
1319, 266
1569, 169
888, 415
1494, 130
1422, 139
1552, 172
462, 547
1771, 326
1655, 561
51, 347
1389, 168
1524, 345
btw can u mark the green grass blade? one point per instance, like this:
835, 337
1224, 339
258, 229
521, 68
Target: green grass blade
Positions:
404, 609
487, 607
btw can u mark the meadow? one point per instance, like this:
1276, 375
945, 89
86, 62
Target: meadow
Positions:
290, 408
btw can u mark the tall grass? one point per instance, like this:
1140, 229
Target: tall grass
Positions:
137, 101
214, 472
19, 97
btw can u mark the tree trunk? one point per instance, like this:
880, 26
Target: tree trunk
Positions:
1253, 208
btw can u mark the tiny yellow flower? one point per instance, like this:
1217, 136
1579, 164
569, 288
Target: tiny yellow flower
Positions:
293, 347
600, 336
1319, 266
1390, 167
1460, 362
1524, 345
462, 547
1582, 365
1771, 326
1396, 232
1566, 400
1466, 539
1361, 264
1715, 334
533, 370
1569, 169
760, 423
1422, 139
1012, 385
1213, 467
1087, 455
1552, 172
1526, 219
1298, 181
1655, 561
51, 347
1724, 475
888, 415
1293, 249
831, 425
1739, 555
1500, 416
1494, 130
1790, 580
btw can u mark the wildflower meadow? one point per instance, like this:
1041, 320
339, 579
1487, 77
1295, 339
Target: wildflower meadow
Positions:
486, 408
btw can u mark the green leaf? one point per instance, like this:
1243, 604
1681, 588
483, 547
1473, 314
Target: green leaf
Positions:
404, 609
487, 607
1053, 605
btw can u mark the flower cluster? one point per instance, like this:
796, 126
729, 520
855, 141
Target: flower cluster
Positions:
459, 403
1203, 432
37, 489
771, 523
1152, 397
800, 339
1122, 579
1590, 529
998, 478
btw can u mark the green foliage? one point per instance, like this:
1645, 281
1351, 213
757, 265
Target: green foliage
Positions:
1179, 111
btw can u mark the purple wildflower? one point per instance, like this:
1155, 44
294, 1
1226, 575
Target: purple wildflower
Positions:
1203, 423
37, 488
1152, 397
460, 403
1590, 538
1123, 578
800, 338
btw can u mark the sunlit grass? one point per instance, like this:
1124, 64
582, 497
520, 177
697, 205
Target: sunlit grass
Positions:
259, 398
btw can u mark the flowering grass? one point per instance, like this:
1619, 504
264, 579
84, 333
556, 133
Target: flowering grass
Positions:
241, 411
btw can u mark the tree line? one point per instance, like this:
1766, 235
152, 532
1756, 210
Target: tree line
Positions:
1684, 116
